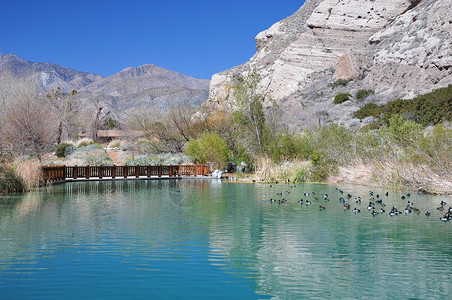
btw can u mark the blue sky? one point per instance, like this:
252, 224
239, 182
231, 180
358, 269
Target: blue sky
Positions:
197, 38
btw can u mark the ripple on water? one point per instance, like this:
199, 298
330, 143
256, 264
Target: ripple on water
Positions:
126, 240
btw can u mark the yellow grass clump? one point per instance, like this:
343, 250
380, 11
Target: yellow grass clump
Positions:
30, 171
269, 171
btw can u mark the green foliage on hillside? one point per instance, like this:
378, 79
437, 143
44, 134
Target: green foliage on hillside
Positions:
341, 98
363, 94
340, 82
428, 109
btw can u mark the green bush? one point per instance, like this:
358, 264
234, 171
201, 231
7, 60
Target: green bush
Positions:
10, 182
289, 146
341, 98
340, 82
61, 149
428, 109
363, 94
209, 147
368, 110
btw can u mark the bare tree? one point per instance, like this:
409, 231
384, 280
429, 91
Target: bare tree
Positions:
100, 115
65, 108
29, 126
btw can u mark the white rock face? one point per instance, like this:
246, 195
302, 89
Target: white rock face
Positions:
415, 52
398, 48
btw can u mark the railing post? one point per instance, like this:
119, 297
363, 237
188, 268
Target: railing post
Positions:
87, 172
170, 171
74, 172
125, 170
113, 171
159, 170
148, 170
100, 171
137, 171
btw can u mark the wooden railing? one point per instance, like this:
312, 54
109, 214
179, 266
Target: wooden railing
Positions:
61, 173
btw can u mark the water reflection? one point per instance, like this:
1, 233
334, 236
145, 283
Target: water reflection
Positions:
215, 230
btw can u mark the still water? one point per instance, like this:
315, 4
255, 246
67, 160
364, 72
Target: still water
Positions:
207, 239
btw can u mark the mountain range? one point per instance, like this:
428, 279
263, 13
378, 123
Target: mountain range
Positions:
144, 87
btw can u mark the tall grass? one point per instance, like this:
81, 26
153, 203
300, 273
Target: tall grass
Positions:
402, 155
294, 170
30, 172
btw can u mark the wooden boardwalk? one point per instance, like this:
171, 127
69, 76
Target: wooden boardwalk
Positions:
64, 173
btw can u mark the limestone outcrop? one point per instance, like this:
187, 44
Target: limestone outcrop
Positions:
398, 48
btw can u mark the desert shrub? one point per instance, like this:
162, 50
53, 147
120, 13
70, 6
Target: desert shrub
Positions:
61, 149
340, 82
83, 142
341, 98
144, 146
158, 159
115, 144
210, 147
363, 94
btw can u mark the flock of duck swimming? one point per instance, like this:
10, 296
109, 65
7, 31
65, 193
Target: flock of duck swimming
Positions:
375, 205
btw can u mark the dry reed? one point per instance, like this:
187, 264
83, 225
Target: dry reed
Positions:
30, 172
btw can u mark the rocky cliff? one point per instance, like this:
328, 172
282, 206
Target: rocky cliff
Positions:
398, 48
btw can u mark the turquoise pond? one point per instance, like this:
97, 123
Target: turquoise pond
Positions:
210, 239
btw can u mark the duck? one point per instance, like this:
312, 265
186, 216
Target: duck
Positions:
445, 219
306, 194
358, 201
341, 200
301, 201
371, 193
403, 197
443, 203
308, 202
325, 196
386, 194
355, 210
278, 194
326, 200
410, 204
346, 206
382, 211
374, 213
440, 208
322, 207
427, 213
408, 195
349, 196
377, 196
